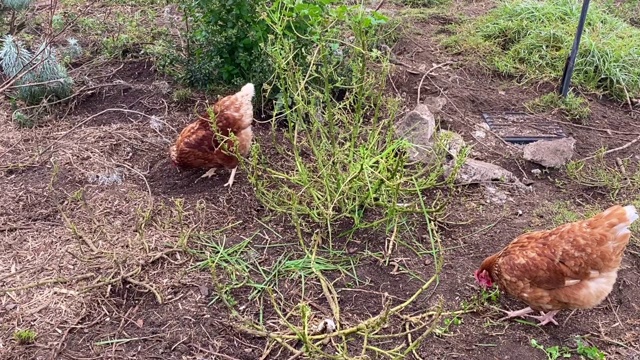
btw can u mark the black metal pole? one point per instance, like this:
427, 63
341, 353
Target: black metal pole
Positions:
571, 60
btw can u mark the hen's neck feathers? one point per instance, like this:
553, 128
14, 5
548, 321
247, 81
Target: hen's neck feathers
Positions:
489, 264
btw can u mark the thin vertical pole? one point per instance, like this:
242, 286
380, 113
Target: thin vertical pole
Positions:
571, 60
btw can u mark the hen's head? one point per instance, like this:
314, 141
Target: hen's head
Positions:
483, 278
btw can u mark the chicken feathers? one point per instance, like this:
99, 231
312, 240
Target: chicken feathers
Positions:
573, 266
216, 140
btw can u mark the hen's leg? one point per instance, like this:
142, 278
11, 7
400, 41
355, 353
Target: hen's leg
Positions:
208, 174
233, 175
546, 318
517, 313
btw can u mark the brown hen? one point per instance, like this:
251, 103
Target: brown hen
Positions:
573, 266
217, 139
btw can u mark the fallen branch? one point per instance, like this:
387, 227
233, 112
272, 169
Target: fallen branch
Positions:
47, 282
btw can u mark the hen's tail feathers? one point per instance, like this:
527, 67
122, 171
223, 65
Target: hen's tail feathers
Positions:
235, 112
618, 219
247, 92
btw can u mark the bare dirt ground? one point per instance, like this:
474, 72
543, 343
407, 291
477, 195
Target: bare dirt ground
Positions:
98, 230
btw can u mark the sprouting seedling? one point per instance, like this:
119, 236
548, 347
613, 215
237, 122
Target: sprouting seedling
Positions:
73, 50
25, 337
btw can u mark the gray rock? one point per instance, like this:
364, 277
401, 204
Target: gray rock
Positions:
550, 153
435, 103
474, 171
481, 131
417, 127
162, 86
496, 196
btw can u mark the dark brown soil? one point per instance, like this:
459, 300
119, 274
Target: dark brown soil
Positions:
103, 247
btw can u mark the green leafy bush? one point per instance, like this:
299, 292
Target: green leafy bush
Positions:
224, 43
232, 42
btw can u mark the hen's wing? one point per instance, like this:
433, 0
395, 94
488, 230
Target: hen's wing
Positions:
195, 146
233, 117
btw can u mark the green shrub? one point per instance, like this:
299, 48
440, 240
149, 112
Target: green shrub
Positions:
232, 42
224, 43
338, 164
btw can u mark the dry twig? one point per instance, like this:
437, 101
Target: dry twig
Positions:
47, 282
429, 72
613, 150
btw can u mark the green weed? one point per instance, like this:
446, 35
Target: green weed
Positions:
600, 174
553, 352
573, 106
22, 120
448, 323
25, 337
583, 350
589, 352
77, 195
236, 266
562, 212
125, 32
182, 96
131, 33
334, 167
532, 39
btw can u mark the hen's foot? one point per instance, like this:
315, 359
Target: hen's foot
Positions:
545, 318
208, 174
233, 175
517, 313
